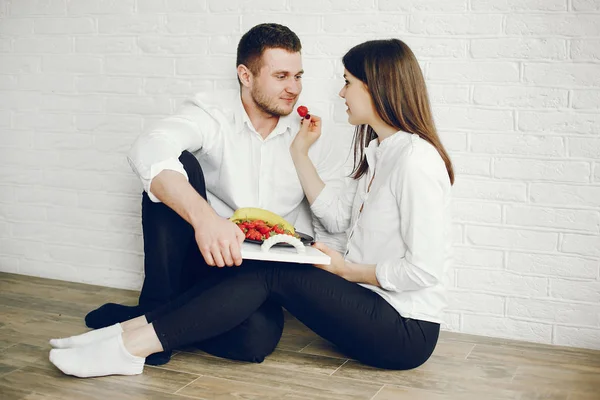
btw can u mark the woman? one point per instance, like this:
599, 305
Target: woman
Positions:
380, 303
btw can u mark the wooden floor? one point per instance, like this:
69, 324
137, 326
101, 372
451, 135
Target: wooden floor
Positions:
32, 310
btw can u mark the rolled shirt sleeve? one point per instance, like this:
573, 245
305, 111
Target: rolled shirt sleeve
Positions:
333, 206
191, 128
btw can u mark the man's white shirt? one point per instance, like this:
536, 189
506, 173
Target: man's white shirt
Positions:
241, 169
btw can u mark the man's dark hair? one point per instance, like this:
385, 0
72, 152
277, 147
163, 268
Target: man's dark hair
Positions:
262, 37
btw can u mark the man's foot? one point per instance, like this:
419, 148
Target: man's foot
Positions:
110, 314
107, 357
87, 338
159, 358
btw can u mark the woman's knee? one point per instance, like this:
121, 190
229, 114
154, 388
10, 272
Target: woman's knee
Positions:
400, 360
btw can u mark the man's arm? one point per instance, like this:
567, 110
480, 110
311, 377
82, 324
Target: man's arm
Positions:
158, 149
218, 239
154, 157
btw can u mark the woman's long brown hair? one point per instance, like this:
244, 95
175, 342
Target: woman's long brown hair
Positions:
396, 84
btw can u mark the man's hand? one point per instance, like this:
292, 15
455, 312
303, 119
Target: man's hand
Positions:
219, 241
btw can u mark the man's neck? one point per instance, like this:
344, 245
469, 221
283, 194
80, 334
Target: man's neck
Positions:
263, 122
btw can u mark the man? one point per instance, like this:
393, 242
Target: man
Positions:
221, 152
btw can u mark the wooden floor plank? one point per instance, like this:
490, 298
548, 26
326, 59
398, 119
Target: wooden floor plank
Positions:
304, 366
22, 355
294, 342
583, 396
321, 347
390, 392
206, 387
17, 394
439, 374
157, 379
534, 356
308, 383
301, 362
5, 368
561, 376
55, 383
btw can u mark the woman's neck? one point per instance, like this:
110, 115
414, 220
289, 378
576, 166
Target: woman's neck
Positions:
383, 130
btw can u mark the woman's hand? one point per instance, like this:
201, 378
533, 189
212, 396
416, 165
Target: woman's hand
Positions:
338, 264
310, 131
358, 273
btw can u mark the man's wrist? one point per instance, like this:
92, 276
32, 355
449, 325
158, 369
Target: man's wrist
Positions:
201, 214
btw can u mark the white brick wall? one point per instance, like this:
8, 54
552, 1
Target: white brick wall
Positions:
515, 86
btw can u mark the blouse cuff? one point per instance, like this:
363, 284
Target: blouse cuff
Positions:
322, 204
381, 272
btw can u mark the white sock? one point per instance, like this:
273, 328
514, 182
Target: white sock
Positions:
107, 357
87, 338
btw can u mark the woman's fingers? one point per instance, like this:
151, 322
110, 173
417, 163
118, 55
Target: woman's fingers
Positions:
322, 247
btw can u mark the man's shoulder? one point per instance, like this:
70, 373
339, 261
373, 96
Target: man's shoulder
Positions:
217, 98
222, 103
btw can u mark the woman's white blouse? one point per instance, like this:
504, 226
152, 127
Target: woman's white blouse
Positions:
404, 227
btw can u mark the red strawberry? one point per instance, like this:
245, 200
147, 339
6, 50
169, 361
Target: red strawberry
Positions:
263, 229
302, 111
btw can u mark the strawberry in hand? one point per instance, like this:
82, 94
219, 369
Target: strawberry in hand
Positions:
303, 111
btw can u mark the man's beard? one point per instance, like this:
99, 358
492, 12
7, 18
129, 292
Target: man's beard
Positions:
267, 105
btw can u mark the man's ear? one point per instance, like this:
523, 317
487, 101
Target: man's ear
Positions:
244, 75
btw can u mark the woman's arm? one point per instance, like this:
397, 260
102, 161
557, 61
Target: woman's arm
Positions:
307, 173
421, 190
359, 273
329, 203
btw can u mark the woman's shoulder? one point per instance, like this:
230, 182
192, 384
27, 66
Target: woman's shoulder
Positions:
419, 151
421, 157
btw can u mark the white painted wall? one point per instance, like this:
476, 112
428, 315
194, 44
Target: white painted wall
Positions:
515, 86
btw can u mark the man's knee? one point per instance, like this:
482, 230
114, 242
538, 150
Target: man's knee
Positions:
252, 340
190, 163
194, 171
262, 332
267, 321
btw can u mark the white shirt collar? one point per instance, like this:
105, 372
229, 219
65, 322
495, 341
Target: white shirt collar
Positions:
374, 149
371, 152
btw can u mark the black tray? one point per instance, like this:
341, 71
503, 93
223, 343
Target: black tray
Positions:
307, 240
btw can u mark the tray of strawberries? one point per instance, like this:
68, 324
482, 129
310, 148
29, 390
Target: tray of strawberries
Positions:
258, 231
259, 225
